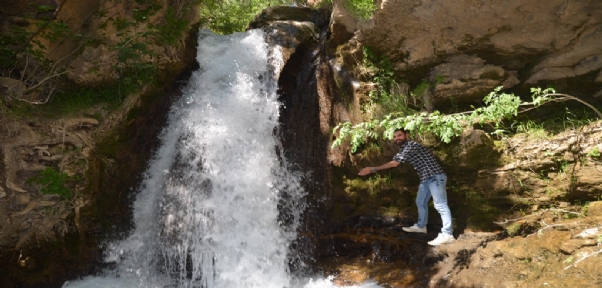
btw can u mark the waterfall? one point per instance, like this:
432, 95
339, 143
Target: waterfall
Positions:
219, 205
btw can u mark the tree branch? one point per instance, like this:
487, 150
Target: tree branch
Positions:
583, 258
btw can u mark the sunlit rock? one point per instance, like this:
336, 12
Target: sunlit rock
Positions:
464, 78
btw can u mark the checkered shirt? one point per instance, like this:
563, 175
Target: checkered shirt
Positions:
420, 158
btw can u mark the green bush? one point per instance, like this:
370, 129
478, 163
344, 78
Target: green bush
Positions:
362, 9
499, 106
230, 16
385, 98
52, 182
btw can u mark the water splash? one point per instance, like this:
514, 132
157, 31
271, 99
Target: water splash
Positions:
218, 206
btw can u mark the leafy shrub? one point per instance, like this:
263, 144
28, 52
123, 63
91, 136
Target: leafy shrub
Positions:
385, 98
499, 106
52, 182
230, 16
362, 9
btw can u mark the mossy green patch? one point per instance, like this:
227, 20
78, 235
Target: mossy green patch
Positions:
380, 194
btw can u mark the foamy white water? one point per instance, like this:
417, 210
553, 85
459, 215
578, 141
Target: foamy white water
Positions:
209, 212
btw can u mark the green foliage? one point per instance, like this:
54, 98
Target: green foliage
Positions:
11, 42
373, 184
20, 48
362, 9
57, 30
594, 152
73, 100
513, 229
44, 8
384, 98
230, 16
170, 32
531, 128
552, 122
357, 133
52, 182
585, 208
421, 88
324, 4
498, 106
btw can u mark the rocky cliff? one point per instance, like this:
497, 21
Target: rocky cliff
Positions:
66, 178
514, 44
501, 188
462, 50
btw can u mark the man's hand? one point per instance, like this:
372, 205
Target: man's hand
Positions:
369, 170
366, 171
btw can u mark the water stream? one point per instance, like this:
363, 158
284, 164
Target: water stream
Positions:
219, 206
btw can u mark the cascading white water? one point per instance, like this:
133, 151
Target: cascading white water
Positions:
211, 210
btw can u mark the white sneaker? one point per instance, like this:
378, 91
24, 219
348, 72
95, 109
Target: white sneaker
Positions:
414, 229
442, 239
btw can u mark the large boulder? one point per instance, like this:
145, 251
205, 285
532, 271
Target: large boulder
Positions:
467, 78
543, 41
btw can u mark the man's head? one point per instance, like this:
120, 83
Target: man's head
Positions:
400, 136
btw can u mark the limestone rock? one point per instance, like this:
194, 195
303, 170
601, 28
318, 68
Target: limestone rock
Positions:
495, 183
89, 60
466, 78
542, 41
573, 60
343, 26
572, 245
422, 30
13, 86
475, 149
595, 208
289, 35
290, 27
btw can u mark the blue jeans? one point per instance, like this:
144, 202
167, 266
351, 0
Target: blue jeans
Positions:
434, 186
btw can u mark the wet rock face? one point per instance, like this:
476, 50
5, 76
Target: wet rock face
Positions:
304, 120
541, 41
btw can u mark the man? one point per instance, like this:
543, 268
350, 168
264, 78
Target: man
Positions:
432, 184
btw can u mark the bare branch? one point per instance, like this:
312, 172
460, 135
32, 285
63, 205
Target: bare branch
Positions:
583, 257
540, 231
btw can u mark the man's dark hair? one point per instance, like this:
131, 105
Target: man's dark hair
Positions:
402, 130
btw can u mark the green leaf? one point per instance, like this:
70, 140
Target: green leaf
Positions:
44, 8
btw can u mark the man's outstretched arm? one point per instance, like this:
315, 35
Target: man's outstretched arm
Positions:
368, 170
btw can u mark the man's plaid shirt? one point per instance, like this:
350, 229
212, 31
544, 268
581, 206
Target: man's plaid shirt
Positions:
420, 158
